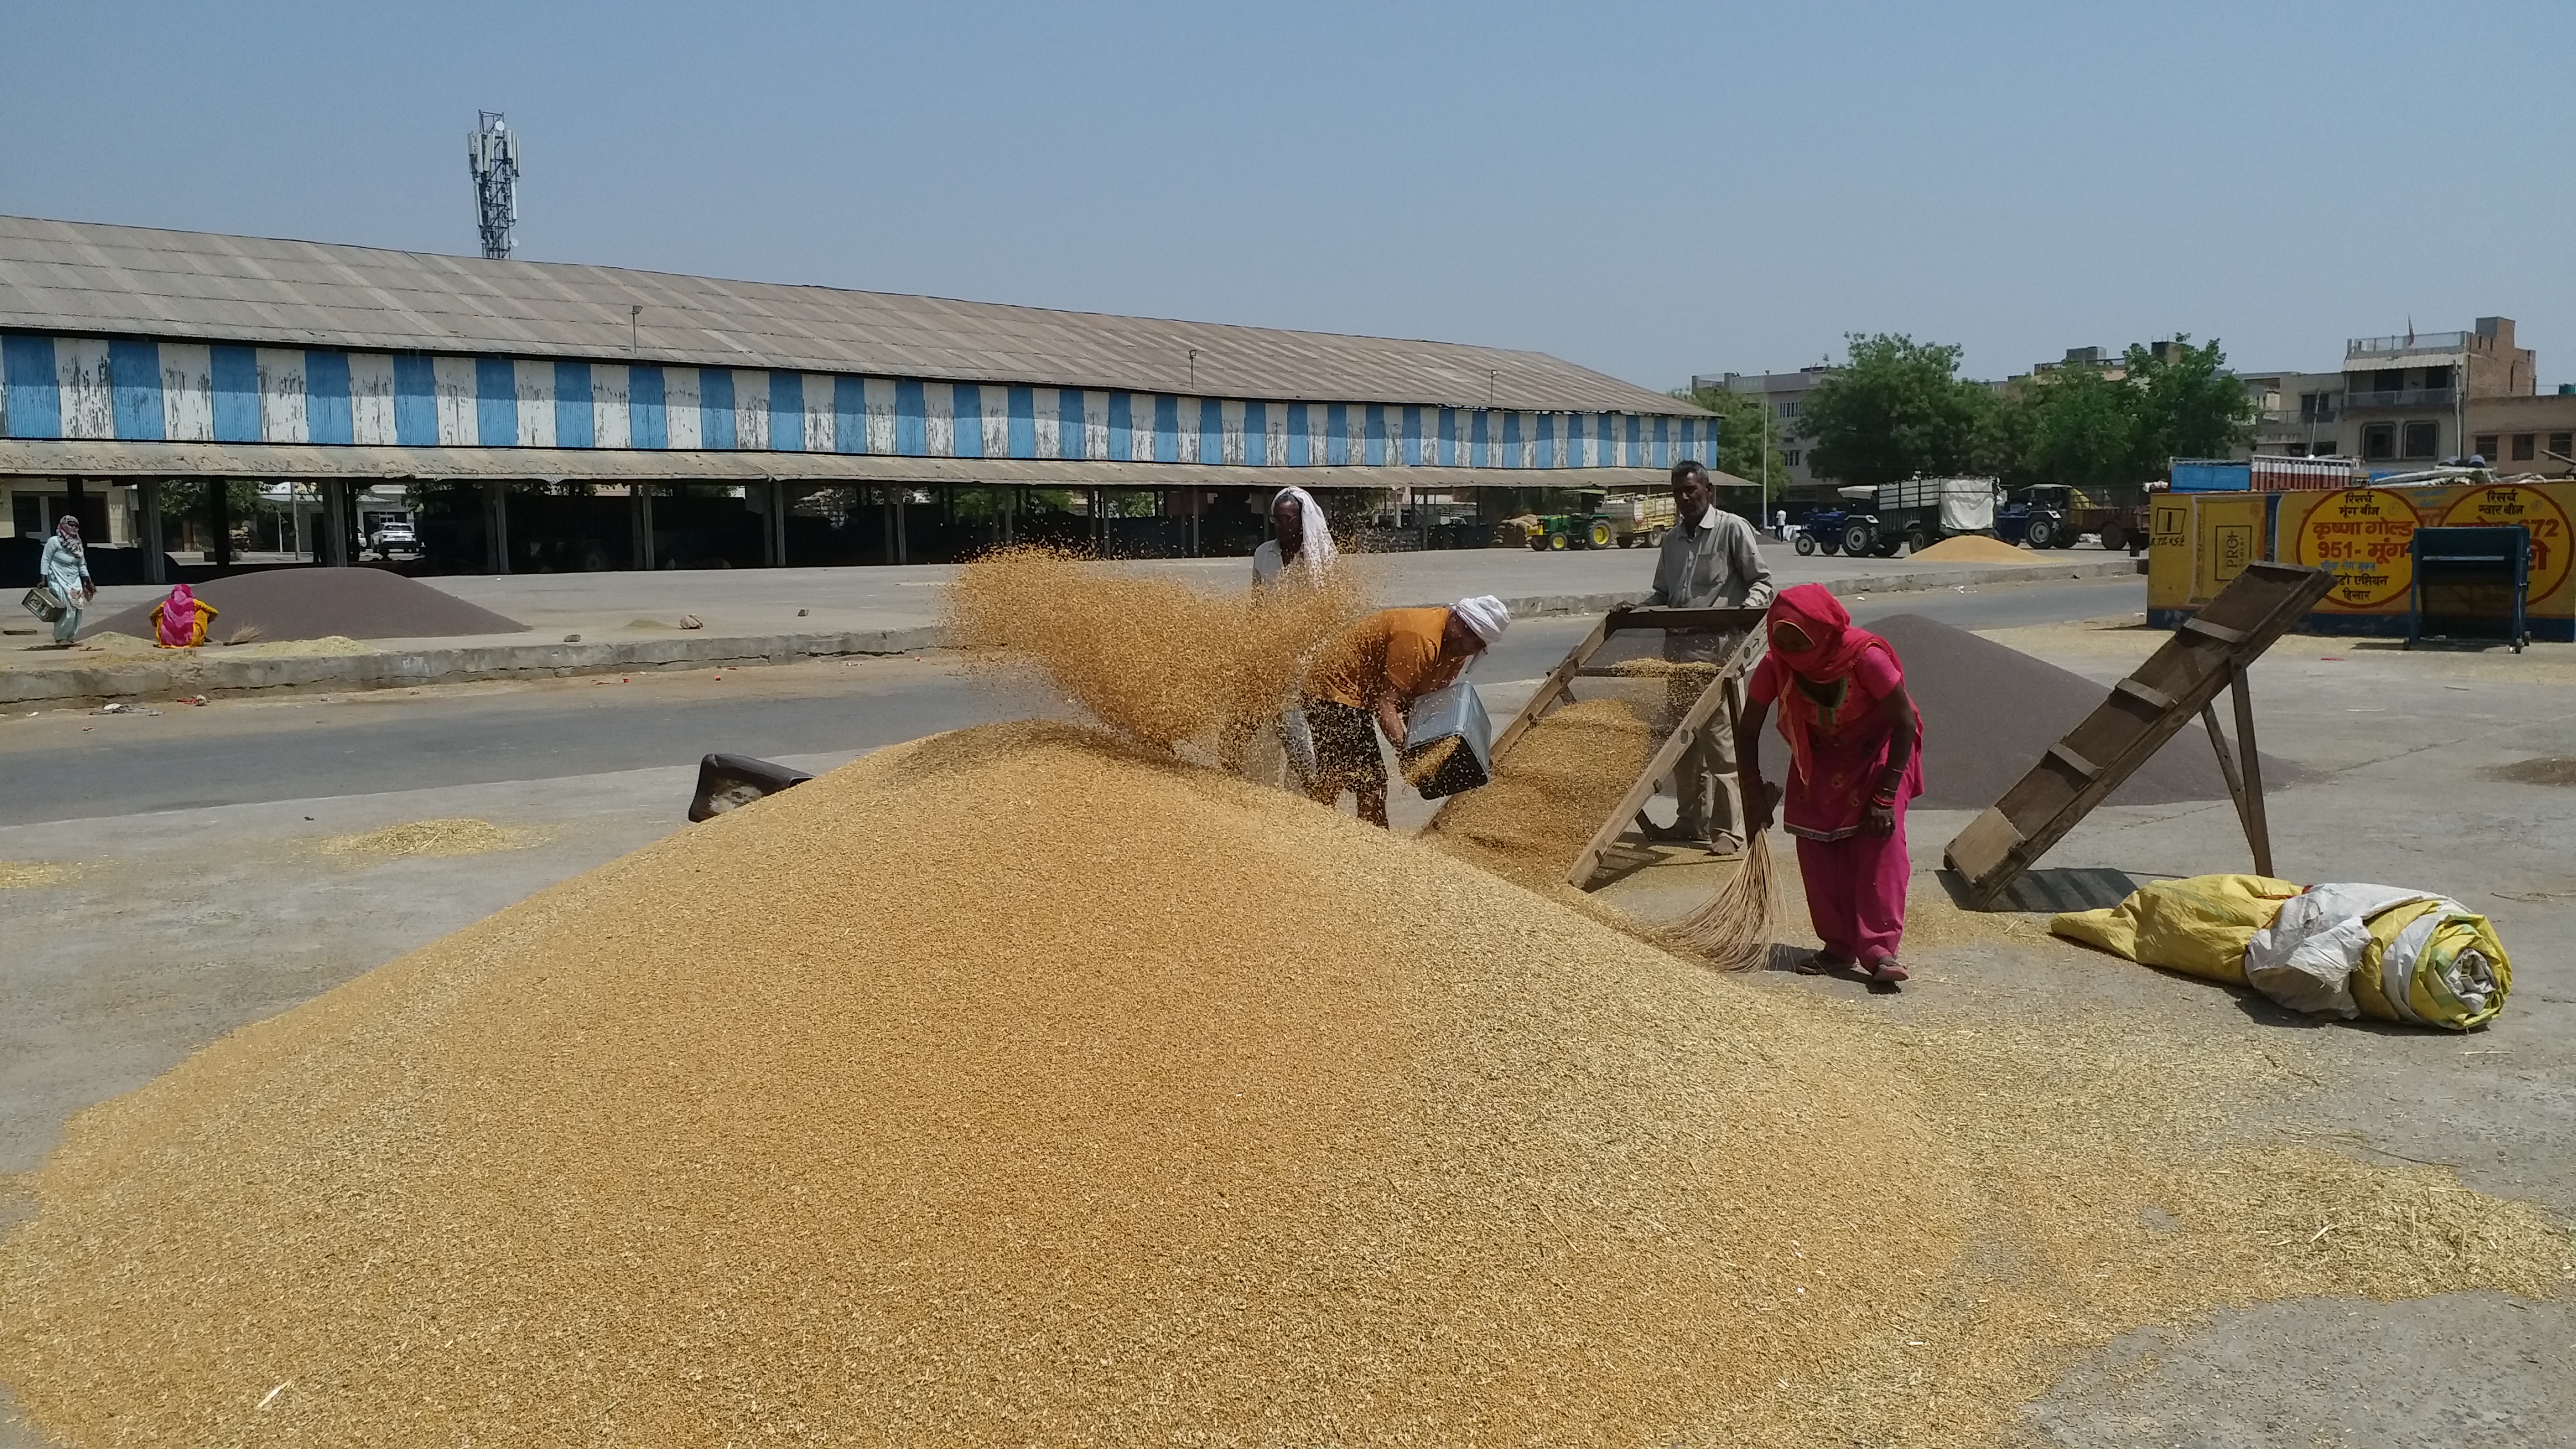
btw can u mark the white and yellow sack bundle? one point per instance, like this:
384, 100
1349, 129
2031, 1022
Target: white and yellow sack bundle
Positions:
2340, 949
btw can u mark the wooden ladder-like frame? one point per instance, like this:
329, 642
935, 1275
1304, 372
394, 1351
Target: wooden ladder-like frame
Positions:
1725, 686
2182, 678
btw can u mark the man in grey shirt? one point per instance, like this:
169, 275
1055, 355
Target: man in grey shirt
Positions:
1710, 559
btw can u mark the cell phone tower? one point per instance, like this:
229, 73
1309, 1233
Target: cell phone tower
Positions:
494, 153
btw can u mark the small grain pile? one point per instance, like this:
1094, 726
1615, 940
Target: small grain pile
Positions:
1977, 548
1153, 658
1549, 793
1205, 1115
431, 838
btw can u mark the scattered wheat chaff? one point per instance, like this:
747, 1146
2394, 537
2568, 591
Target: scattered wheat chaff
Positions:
1732, 929
15, 874
432, 838
1156, 659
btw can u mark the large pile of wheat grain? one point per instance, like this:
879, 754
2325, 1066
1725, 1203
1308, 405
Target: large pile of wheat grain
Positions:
1148, 655
1024, 1085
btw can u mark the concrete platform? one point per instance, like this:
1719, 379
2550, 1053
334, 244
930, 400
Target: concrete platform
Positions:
630, 621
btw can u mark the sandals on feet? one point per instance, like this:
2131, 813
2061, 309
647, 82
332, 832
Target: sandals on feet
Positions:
1822, 963
1886, 969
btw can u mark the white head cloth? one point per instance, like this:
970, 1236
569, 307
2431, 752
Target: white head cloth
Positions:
1485, 614
1315, 549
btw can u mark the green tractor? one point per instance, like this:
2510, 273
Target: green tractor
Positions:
1591, 528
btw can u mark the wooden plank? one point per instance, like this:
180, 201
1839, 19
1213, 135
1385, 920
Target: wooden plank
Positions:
2258, 827
2255, 608
1720, 691
2155, 699
1685, 621
2073, 761
2227, 766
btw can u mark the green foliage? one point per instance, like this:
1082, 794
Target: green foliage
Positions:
1897, 408
1741, 449
2078, 426
2193, 406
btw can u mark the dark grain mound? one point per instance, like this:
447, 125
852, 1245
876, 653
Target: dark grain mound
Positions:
1990, 711
318, 603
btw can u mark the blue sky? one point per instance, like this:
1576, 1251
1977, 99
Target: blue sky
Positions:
1649, 189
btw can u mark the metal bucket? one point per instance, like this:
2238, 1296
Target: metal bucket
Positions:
1456, 713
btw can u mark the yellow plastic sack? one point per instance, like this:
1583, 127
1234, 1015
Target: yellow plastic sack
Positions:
2198, 924
2458, 978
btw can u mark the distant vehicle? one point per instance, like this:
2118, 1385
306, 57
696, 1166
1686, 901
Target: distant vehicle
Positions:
1913, 514
2052, 515
1640, 517
394, 538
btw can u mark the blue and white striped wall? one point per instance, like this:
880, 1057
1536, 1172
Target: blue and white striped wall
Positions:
98, 388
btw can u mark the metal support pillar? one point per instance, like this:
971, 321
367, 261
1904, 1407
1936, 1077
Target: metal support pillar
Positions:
496, 527
219, 521
334, 542
902, 544
147, 500
639, 512
1198, 509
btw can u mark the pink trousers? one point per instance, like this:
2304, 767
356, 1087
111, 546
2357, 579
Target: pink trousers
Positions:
1856, 892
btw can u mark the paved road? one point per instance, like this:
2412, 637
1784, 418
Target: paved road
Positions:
65, 766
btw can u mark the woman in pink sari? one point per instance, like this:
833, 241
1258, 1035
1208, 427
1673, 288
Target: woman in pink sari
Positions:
1853, 734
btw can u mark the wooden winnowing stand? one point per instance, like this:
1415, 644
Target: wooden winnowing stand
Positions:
2182, 678
1726, 683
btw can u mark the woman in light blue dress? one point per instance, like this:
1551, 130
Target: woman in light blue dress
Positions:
65, 570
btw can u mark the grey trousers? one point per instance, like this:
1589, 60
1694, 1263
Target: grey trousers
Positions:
1704, 782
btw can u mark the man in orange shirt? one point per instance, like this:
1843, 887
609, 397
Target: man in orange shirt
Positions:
1364, 681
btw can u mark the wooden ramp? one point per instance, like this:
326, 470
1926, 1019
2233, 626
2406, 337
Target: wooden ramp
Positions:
1725, 683
2207, 654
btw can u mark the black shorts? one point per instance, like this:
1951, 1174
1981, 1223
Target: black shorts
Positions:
1346, 754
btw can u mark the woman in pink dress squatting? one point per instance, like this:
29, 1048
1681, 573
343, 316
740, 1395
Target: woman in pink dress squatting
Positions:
1853, 734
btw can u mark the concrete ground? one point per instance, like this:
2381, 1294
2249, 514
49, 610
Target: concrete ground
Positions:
749, 602
177, 921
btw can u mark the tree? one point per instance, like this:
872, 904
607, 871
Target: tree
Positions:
1898, 408
2192, 406
2079, 427
1741, 438
2083, 427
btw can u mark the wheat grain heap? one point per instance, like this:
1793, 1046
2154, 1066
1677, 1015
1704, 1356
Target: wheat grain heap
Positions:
1029, 1085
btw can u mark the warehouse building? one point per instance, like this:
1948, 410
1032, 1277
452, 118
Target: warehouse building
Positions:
538, 415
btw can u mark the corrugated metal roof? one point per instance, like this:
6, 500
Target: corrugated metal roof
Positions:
87, 459
200, 286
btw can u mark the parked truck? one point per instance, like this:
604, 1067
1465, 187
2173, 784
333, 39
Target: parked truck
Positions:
1640, 518
2052, 515
1914, 514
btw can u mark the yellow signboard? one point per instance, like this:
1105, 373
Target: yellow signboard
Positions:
2228, 535
2363, 535
2511, 503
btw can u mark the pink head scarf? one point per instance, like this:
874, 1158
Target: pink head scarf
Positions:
178, 618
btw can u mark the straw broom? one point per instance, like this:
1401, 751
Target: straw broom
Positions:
1732, 930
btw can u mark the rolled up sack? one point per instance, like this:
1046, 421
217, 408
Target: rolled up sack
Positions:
2340, 949
2349, 949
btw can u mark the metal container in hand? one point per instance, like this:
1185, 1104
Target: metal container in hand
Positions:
1449, 742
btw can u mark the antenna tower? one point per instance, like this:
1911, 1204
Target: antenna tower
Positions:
494, 154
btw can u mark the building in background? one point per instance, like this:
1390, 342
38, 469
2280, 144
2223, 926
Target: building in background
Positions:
1781, 394
2406, 398
543, 416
